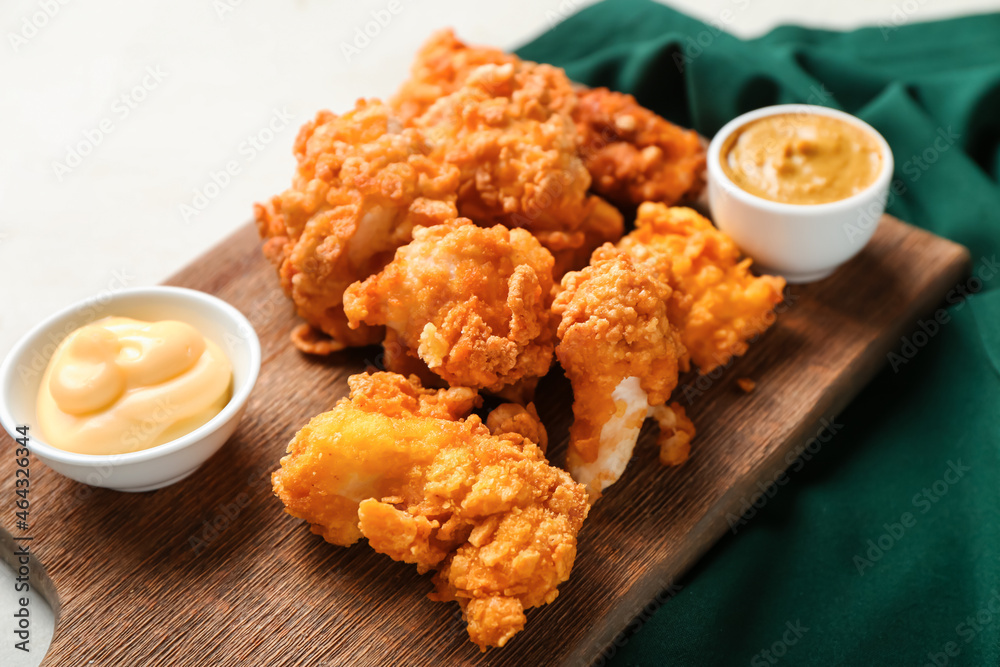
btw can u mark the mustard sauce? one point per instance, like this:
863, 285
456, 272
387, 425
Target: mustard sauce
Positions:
801, 158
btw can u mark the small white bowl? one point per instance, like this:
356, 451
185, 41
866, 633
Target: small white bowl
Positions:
156, 467
802, 242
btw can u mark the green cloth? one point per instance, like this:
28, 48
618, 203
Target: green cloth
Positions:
795, 563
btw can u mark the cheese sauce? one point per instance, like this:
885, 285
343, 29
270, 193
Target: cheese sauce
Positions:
121, 385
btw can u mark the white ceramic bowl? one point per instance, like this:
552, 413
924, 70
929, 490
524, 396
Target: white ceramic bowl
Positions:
148, 469
802, 242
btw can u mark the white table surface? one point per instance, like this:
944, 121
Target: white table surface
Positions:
225, 69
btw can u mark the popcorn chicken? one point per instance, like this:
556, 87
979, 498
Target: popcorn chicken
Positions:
427, 483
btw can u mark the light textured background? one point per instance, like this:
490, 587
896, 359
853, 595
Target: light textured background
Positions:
227, 70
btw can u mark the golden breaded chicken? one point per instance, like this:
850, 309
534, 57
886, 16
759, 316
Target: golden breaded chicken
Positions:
603, 224
621, 353
716, 302
507, 123
633, 154
425, 483
326, 475
517, 154
471, 303
363, 182
440, 68
515, 418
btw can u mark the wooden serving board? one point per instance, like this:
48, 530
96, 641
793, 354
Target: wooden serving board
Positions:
147, 580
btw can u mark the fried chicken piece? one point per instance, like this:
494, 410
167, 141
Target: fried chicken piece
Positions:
517, 155
506, 123
603, 224
471, 303
440, 68
396, 359
621, 354
409, 469
514, 418
324, 476
363, 182
718, 305
633, 154
676, 433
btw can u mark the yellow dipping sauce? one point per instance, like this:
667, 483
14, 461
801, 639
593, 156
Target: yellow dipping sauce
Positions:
121, 385
801, 158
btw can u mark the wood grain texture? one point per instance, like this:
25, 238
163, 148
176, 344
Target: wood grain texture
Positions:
136, 587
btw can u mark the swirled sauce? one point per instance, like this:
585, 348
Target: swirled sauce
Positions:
121, 385
801, 158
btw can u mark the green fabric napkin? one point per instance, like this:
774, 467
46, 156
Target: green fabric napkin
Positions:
884, 548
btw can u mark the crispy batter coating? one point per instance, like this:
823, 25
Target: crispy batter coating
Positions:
514, 418
633, 154
397, 359
507, 124
620, 352
363, 182
471, 303
603, 224
325, 476
476, 132
517, 154
399, 465
440, 68
717, 304
676, 433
